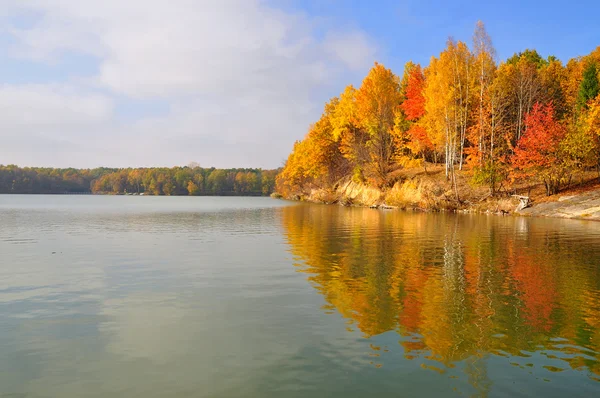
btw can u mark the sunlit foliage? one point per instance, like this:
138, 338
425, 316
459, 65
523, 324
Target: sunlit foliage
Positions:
464, 110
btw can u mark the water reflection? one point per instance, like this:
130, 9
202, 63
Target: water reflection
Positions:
198, 298
459, 290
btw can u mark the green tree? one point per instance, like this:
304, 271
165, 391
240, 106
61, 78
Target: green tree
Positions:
217, 181
589, 88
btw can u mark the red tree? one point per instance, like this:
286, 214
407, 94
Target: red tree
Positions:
414, 109
414, 105
537, 152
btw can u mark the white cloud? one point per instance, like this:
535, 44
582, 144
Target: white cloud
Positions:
352, 48
232, 71
31, 106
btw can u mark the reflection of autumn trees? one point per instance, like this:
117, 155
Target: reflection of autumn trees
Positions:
537, 288
455, 287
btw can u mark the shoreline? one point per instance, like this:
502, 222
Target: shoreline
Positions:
568, 205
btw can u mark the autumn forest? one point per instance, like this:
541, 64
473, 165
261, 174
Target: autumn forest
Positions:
528, 118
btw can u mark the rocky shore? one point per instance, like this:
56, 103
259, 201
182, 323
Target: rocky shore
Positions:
584, 206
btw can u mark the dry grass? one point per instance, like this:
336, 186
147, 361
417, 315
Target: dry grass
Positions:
405, 194
353, 193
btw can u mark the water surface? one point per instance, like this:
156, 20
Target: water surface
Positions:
253, 297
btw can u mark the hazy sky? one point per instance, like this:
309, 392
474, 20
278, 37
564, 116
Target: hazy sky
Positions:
225, 83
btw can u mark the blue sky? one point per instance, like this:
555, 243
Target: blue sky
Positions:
231, 83
416, 30
419, 29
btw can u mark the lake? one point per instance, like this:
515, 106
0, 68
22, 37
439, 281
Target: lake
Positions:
120, 296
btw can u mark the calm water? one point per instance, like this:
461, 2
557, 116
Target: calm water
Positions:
253, 297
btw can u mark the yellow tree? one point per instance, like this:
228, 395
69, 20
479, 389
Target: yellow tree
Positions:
315, 161
492, 169
377, 100
448, 98
570, 85
192, 188
240, 183
553, 76
292, 177
135, 179
463, 80
350, 136
438, 110
325, 163
593, 118
485, 67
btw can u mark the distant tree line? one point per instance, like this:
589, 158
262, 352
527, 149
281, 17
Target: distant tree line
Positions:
33, 180
186, 180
